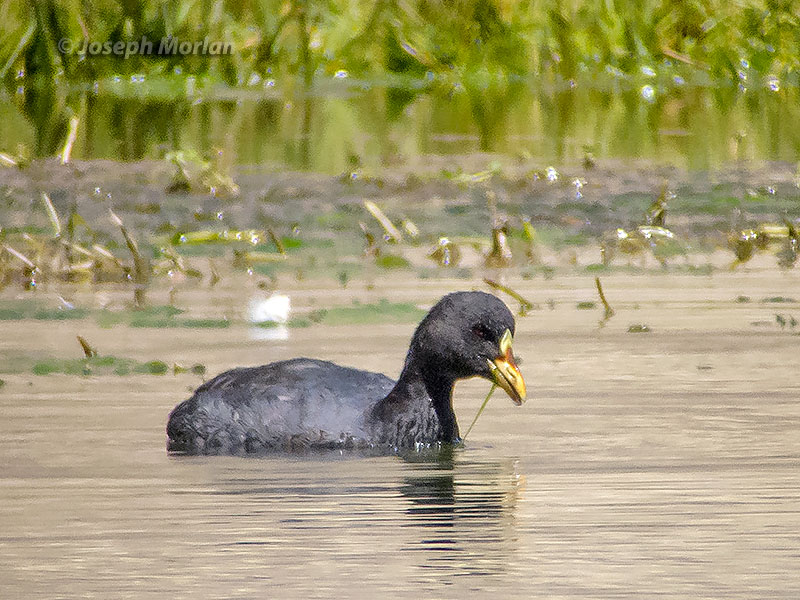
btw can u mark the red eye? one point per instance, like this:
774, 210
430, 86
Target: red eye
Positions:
481, 331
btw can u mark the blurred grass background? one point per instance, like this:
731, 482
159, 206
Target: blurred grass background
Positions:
507, 39
343, 84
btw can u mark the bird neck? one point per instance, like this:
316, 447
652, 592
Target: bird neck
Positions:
417, 381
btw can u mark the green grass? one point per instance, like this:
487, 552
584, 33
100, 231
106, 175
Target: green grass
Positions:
480, 44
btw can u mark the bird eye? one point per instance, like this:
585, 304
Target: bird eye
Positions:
481, 332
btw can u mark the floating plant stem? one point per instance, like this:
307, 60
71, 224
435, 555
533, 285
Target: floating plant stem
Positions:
391, 231
278, 243
214, 278
88, 350
371, 248
524, 304
609, 311
478, 414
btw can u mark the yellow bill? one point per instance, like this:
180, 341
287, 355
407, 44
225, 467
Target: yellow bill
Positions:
505, 372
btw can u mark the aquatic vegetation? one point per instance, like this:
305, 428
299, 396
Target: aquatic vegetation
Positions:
500, 255
163, 316
99, 365
72, 134
636, 64
193, 173
183, 323
19, 160
19, 310
652, 236
375, 249
782, 240
169, 262
525, 305
88, 350
392, 261
445, 253
529, 236
371, 314
478, 414
484, 39
196, 369
391, 233
140, 273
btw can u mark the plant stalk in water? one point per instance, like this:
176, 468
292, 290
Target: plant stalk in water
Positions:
478, 414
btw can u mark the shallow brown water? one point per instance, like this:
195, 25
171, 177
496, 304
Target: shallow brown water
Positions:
661, 464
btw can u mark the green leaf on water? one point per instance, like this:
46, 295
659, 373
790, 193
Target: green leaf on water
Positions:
199, 369
153, 367
392, 261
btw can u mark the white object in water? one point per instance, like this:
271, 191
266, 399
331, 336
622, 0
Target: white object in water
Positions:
274, 309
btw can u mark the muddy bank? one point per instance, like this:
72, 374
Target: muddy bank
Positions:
289, 226
612, 193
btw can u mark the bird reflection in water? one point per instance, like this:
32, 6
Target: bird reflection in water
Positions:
464, 510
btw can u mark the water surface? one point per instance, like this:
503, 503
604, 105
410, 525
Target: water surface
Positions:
663, 464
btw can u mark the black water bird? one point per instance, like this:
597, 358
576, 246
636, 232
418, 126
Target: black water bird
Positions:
308, 404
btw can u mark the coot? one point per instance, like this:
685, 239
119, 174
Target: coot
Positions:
316, 405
